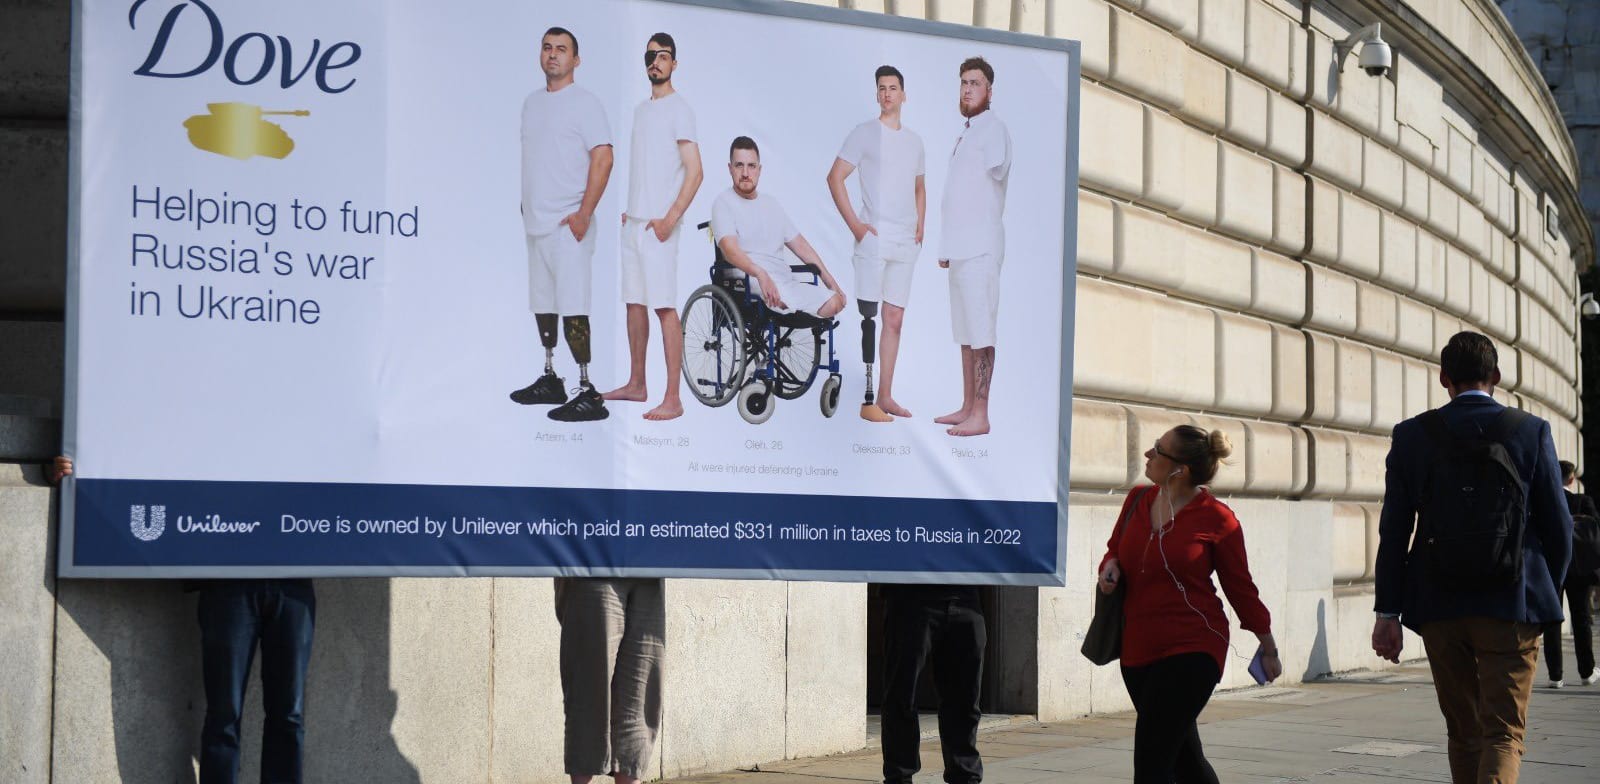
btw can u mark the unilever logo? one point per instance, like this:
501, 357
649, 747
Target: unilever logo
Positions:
149, 527
147, 530
234, 128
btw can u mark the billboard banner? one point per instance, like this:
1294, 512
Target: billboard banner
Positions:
715, 288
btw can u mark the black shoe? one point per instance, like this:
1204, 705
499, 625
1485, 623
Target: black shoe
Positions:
586, 406
549, 390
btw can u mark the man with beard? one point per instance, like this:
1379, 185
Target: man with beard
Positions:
973, 241
663, 175
566, 161
887, 231
752, 230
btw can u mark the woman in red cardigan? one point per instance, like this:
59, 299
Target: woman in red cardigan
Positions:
1175, 640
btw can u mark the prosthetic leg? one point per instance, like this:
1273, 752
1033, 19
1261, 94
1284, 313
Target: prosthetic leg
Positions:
869, 340
586, 405
547, 338
577, 331
549, 389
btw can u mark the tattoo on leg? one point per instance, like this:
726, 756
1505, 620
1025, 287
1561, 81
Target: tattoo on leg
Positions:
984, 368
577, 329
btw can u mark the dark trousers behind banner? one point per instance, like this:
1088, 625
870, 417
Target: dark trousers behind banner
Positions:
944, 623
236, 616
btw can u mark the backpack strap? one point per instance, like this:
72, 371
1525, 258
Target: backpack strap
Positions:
1129, 512
1507, 423
1434, 426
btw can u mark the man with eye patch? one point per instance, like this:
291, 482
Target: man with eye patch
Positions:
663, 175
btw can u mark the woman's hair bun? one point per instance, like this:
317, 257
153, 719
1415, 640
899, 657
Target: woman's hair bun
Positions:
1221, 445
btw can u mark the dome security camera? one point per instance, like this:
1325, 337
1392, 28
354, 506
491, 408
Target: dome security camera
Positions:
1588, 307
1376, 56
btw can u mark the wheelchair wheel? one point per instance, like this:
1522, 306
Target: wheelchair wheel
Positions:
755, 402
799, 353
830, 395
714, 355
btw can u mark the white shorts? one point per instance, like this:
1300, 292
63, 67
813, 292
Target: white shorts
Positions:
559, 272
975, 299
649, 266
797, 292
883, 270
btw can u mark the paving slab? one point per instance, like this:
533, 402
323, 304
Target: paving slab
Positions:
1359, 728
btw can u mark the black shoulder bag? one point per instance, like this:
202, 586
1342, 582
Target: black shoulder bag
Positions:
1102, 643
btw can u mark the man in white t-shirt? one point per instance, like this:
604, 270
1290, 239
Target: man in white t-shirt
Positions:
566, 162
752, 230
888, 229
973, 241
663, 175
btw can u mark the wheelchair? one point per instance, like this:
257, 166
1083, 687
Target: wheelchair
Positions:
735, 347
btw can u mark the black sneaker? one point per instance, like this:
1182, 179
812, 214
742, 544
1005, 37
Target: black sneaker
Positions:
549, 390
586, 406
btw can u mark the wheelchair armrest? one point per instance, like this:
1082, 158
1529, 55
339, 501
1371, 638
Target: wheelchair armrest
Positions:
811, 268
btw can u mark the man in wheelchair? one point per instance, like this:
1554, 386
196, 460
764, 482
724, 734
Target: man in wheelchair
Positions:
752, 230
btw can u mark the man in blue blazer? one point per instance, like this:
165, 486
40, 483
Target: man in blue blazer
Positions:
1482, 642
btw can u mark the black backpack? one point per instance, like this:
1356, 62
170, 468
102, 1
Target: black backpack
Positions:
1474, 506
1585, 548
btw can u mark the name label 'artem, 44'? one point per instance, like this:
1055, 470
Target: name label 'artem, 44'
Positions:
247, 59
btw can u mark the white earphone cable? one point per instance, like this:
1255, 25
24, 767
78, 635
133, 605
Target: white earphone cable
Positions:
1159, 533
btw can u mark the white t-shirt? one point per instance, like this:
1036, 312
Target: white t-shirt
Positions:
760, 224
975, 190
888, 163
655, 168
558, 131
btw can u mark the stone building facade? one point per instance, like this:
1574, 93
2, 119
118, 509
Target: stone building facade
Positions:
1266, 245
1563, 40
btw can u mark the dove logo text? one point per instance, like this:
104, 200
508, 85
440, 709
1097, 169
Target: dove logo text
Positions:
246, 59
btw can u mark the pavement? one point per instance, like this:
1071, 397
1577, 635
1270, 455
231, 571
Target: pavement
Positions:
1360, 727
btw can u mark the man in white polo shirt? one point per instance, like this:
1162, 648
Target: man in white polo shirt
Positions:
566, 161
663, 175
972, 243
752, 230
887, 230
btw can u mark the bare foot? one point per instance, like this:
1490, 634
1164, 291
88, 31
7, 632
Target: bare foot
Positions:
954, 417
890, 407
975, 425
872, 413
667, 410
631, 392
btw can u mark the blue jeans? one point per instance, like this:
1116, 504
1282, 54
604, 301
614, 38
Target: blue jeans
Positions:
236, 615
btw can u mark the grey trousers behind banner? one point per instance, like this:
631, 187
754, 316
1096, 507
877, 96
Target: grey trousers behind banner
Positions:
613, 638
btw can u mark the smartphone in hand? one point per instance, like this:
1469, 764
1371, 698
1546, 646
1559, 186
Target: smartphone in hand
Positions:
1257, 669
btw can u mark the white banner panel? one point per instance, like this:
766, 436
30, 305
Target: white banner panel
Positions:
306, 282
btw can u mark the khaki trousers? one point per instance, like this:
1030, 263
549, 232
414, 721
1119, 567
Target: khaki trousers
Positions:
1483, 674
613, 637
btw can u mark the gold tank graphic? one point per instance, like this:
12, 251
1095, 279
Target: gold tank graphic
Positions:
237, 131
